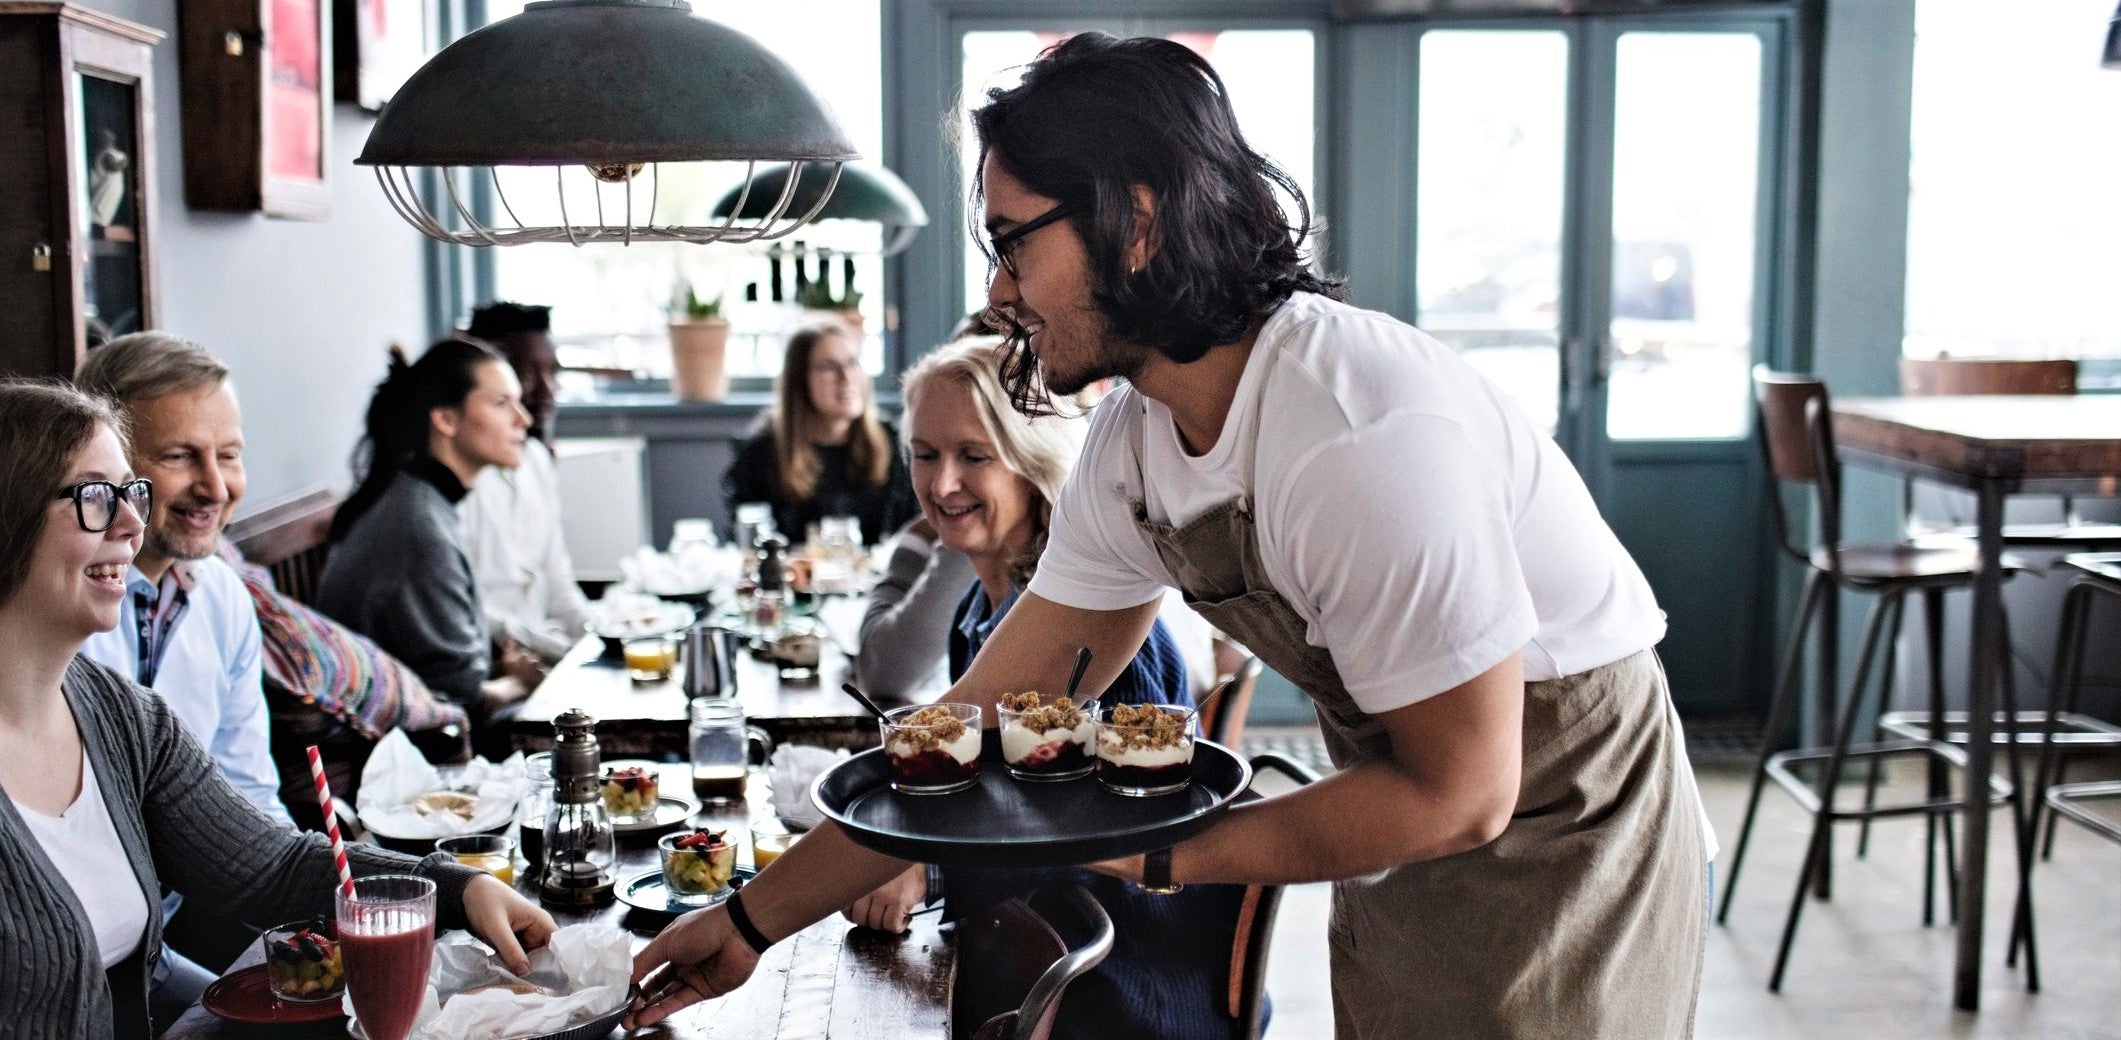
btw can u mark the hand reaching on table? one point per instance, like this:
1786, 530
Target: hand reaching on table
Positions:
505, 920
700, 956
890, 908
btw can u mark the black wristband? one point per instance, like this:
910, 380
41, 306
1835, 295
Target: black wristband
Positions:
742, 920
1156, 874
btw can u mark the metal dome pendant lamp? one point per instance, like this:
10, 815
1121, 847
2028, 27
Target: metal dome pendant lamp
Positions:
605, 93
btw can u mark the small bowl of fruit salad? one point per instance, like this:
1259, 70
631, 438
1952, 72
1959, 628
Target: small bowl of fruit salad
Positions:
697, 866
630, 793
302, 963
1145, 749
932, 748
1045, 741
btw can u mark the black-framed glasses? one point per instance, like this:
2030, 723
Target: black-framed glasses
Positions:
96, 501
1002, 248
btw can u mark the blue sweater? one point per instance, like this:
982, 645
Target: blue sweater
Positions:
1168, 974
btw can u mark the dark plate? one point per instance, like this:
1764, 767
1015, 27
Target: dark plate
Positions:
669, 812
242, 996
1005, 822
647, 892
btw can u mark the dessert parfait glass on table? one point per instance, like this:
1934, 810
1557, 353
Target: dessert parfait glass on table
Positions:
1049, 741
1145, 749
697, 865
302, 963
630, 793
932, 748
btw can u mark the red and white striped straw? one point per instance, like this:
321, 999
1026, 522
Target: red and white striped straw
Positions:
331, 820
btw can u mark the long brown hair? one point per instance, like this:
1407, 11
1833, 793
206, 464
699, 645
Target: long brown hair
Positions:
43, 425
794, 421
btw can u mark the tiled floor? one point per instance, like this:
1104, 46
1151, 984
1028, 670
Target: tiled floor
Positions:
1864, 967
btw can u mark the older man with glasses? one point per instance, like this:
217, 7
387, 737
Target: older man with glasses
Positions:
187, 628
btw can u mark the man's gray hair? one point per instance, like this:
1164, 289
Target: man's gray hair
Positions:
142, 366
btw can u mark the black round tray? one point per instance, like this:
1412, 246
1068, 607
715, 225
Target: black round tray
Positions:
1005, 822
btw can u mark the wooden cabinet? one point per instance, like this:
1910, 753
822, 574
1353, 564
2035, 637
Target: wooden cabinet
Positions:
77, 167
256, 106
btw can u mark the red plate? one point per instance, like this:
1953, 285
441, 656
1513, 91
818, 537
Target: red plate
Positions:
243, 996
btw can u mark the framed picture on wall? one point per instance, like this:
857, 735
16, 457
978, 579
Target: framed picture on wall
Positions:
257, 106
381, 44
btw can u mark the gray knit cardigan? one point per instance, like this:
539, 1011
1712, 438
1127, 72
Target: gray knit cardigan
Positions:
181, 824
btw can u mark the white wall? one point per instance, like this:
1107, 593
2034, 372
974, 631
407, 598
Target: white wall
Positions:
302, 310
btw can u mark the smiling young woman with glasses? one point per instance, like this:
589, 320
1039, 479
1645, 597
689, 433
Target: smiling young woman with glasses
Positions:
107, 796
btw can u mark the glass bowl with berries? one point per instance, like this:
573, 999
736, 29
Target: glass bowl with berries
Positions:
630, 793
302, 963
932, 748
697, 866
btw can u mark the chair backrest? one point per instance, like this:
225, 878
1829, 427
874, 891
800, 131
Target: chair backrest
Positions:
1795, 417
1255, 922
1927, 377
290, 540
1013, 965
1223, 721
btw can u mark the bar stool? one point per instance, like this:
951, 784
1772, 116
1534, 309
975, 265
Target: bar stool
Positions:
2098, 574
1796, 434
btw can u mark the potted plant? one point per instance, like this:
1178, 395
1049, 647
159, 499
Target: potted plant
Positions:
815, 294
699, 346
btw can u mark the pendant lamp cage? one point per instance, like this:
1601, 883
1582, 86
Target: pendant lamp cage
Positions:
610, 97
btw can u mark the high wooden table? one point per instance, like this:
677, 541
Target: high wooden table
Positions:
831, 980
1995, 447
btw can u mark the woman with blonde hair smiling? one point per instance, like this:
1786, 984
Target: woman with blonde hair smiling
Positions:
821, 450
986, 478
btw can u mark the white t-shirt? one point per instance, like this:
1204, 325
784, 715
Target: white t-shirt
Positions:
83, 844
1420, 524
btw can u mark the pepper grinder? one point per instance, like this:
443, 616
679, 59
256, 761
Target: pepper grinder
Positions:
579, 844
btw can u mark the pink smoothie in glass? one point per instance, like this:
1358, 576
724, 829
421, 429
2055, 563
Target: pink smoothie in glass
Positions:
386, 975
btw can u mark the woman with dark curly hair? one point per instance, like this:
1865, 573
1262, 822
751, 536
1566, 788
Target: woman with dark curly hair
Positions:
108, 796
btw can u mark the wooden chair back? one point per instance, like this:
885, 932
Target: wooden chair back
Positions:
1795, 419
289, 539
1928, 377
1013, 966
1255, 922
1223, 721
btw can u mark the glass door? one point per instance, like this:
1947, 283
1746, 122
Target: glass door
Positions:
1594, 220
1588, 222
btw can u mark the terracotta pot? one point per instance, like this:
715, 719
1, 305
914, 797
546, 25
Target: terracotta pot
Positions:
699, 369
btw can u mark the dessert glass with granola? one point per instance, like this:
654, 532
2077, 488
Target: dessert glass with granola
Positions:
932, 748
1045, 741
1145, 749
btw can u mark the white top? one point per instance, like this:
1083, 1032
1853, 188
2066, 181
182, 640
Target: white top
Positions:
212, 672
512, 536
83, 844
1420, 524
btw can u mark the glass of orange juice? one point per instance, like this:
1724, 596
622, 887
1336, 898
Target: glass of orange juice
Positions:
651, 659
491, 853
769, 838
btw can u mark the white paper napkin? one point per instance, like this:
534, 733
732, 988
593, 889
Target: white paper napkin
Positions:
397, 773
583, 973
795, 767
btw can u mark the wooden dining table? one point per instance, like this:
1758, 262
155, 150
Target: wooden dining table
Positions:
1995, 447
830, 980
649, 718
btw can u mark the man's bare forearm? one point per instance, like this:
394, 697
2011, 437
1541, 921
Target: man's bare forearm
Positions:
814, 878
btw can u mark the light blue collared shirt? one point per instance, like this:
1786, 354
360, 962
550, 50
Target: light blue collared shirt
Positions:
211, 672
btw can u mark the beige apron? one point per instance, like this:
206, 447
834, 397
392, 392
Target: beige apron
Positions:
1586, 918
